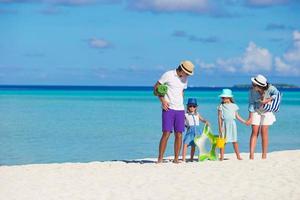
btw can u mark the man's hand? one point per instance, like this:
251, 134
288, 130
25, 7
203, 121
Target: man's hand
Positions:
165, 105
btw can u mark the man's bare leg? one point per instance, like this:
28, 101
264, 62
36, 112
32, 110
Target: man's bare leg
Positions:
177, 146
162, 145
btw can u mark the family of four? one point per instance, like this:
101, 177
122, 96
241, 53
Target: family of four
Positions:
174, 117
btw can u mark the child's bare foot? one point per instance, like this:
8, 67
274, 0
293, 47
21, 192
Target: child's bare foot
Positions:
238, 156
264, 156
183, 160
221, 159
251, 157
159, 160
176, 161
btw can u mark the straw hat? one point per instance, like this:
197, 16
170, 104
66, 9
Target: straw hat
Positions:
259, 80
187, 67
226, 93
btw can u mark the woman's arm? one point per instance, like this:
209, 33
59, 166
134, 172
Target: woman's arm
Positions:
273, 93
251, 101
249, 120
251, 107
267, 100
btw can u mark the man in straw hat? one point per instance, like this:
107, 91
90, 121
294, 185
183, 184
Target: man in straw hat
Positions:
173, 107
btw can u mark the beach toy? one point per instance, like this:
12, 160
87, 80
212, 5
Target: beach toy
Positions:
200, 140
162, 90
273, 106
220, 142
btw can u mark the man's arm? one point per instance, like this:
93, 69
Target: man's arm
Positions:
164, 103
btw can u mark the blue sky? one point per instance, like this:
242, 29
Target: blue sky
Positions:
131, 42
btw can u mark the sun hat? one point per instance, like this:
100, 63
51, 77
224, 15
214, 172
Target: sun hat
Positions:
226, 93
187, 67
192, 101
259, 80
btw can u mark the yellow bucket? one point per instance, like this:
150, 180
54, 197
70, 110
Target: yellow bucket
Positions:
220, 142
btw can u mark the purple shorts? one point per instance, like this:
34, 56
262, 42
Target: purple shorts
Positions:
173, 120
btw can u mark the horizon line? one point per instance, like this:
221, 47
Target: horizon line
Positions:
33, 86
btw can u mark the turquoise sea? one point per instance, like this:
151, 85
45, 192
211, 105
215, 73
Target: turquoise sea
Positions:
83, 124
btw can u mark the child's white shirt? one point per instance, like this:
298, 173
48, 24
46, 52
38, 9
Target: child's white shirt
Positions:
192, 119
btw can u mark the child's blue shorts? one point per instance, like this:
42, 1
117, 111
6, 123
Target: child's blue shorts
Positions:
190, 134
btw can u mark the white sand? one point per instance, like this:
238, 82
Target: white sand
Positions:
278, 177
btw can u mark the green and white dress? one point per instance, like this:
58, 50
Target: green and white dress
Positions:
228, 111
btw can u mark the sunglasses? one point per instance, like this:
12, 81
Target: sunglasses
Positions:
192, 106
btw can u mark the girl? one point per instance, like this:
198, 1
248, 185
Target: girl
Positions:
260, 94
192, 119
227, 113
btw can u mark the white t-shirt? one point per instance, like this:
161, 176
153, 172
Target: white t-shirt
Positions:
176, 85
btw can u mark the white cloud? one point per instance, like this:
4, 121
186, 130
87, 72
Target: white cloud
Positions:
256, 59
206, 66
293, 54
229, 65
70, 2
79, 2
198, 6
289, 63
281, 66
99, 43
264, 3
63, 2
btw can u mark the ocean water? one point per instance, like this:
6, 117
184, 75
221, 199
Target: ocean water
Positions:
81, 125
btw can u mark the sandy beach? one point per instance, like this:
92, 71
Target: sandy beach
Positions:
278, 177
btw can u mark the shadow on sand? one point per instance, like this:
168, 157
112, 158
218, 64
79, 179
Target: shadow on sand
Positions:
144, 161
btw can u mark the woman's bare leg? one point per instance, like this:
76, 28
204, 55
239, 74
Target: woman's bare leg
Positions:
265, 140
253, 140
